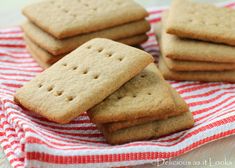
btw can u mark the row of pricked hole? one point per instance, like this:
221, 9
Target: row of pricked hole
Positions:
96, 76
84, 3
57, 93
134, 96
203, 22
108, 54
67, 11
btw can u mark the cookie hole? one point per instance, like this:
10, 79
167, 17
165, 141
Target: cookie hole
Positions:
134, 96
109, 54
64, 64
59, 93
190, 20
39, 85
89, 47
86, 5
49, 88
149, 93
75, 68
96, 76
94, 9
100, 50
119, 97
143, 76
70, 98
216, 24
120, 59
65, 10
52, 2
85, 71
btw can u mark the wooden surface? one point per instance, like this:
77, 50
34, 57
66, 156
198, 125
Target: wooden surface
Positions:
217, 154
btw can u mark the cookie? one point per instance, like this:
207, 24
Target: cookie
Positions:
40, 54
180, 107
206, 76
201, 21
62, 19
134, 40
56, 47
146, 95
177, 65
150, 130
82, 79
42, 64
192, 50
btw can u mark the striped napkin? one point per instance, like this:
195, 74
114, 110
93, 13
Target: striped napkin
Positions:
31, 141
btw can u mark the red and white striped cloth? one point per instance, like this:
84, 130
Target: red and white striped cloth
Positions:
31, 141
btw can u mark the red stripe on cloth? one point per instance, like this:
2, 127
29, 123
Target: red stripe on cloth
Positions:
13, 45
10, 38
119, 157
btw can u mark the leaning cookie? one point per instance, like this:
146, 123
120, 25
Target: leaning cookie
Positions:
82, 79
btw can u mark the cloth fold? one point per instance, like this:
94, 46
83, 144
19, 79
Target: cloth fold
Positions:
31, 141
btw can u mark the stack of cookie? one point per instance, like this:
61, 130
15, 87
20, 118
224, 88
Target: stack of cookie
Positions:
55, 28
143, 108
197, 42
119, 86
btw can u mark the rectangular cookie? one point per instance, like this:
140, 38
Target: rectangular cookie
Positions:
206, 76
62, 19
146, 95
149, 130
42, 56
82, 79
192, 50
201, 21
180, 107
177, 65
57, 47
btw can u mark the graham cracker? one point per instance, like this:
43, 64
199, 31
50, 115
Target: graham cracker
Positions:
135, 40
150, 130
57, 47
177, 65
82, 79
206, 76
201, 21
192, 50
180, 107
146, 95
62, 19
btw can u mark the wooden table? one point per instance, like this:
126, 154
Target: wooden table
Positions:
219, 154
